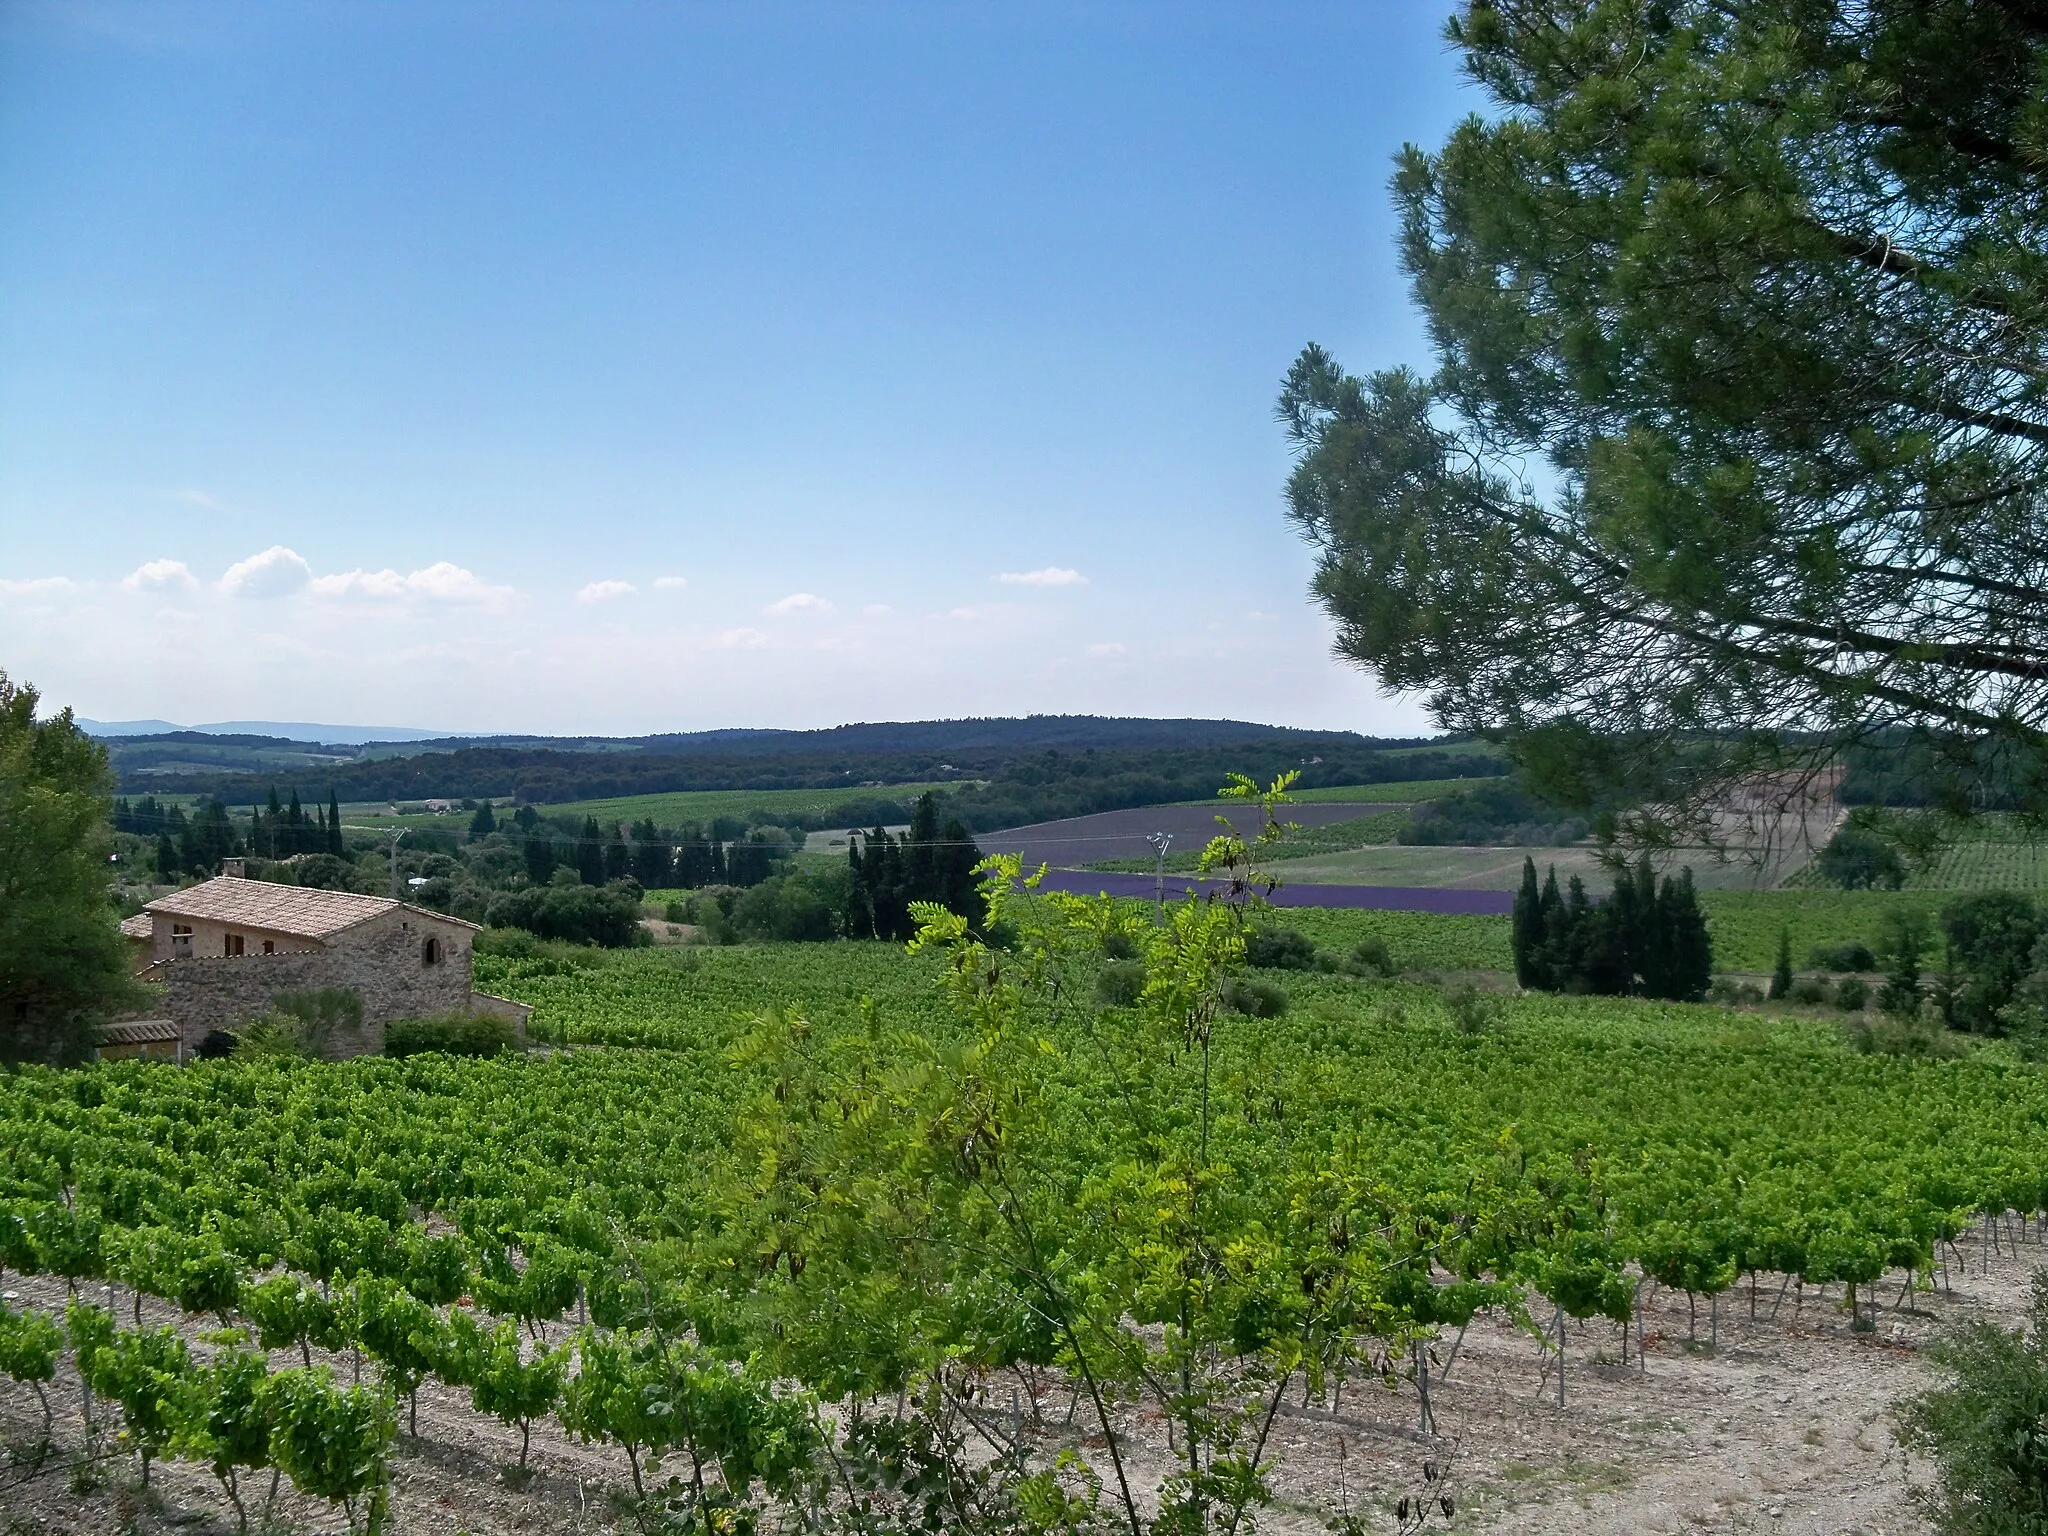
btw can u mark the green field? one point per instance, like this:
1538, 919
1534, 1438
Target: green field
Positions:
1395, 792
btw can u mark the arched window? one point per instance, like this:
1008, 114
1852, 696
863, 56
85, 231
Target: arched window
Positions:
430, 951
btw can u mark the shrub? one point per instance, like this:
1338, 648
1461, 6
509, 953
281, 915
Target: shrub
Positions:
320, 1012
801, 908
1280, 949
1369, 957
1809, 992
1982, 1426
324, 872
1119, 982
1891, 1035
454, 1034
1850, 956
606, 915
1851, 993
1119, 946
270, 1035
1474, 1012
218, 1043
1250, 995
1857, 860
1734, 994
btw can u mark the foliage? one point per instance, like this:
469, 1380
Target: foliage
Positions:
63, 963
1755, 287
1649, 938
1985, 1426
892, 876
1276, 948
331, 1441
322, 1013
606, 915
807, 907
1849, 956
1781, 968
1990, 938
1858, 860
1490, 812
455, 1034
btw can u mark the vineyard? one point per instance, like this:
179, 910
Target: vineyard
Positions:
754, 1203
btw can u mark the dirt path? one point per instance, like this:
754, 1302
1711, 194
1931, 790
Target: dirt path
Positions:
1784, 1428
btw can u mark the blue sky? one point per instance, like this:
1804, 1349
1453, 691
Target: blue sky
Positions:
641, 367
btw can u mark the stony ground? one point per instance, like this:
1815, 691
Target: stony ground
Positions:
1781, 1425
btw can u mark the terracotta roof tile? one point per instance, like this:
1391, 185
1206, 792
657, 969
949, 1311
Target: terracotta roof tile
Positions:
140, 926
138, 1032
292, 909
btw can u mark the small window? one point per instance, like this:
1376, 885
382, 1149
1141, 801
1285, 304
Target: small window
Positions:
269, 947
232, 944
430, 951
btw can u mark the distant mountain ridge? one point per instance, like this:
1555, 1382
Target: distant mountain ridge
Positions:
544, 769
267, 730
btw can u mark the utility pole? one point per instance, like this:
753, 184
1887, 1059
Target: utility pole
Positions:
1160, 842
396, 834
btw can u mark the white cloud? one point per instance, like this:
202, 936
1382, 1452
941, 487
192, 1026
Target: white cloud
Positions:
798, 602
742, 640
670, 583
442, 582
157, 574
1050, 576
1107, 648
605, 591
963, 613
878, 610
40, 586
277, 572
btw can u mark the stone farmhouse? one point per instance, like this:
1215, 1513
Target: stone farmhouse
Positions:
221, 951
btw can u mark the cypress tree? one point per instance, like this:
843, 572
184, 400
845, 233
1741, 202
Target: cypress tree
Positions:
1781, 973
590, 852
1689, 952
335, 845
483, 823
617, 861
1528, 928
540, 858
294, 840
166, 856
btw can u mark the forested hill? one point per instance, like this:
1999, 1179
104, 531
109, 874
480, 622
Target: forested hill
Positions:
1028, 773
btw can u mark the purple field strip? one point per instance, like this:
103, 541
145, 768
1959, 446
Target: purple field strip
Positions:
1372, 898
1121, 834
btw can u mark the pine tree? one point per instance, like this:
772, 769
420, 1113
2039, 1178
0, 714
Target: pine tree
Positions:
1781, 973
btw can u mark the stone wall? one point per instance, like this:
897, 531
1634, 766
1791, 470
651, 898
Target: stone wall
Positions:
380, 961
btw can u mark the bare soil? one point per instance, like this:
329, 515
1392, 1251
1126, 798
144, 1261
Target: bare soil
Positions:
1722, 1424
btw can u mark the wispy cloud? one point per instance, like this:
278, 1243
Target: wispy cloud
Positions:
605, 591
798, 602
200, 499
442, 582
878, 610
156, 575
670, 583
742, 640
277, 572
1050, 576
40, 586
